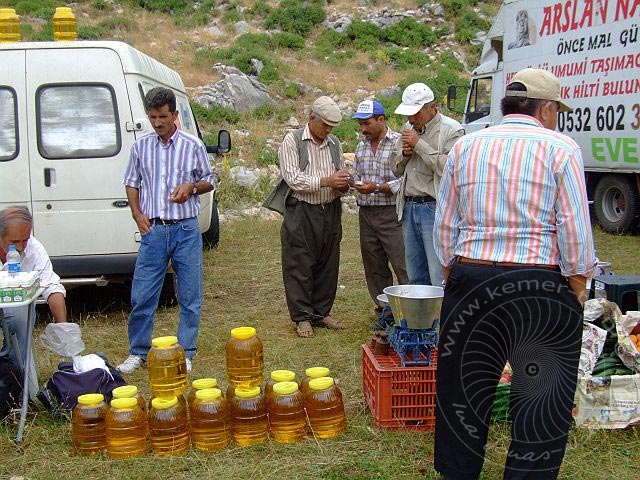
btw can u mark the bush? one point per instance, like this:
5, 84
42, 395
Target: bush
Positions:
231, 16
405, 59
100, 4
454, 8
40, 8
359, 29
91, 32
329, 41
448, 60
260, 8
252, 40
166, 6
263, 112
119, 23
215, 114
264, 154
292, 41
468, 25
349, 134
410, 33
295, 19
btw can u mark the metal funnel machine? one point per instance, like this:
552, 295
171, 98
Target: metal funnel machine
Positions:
418, 305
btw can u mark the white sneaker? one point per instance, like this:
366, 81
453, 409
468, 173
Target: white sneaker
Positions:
130, 364
188, 365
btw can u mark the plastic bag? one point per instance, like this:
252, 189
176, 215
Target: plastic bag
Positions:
63, 339
92, 361
243, 176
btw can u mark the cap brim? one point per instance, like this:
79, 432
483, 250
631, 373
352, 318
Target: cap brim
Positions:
564, 108
363, 116
408, 110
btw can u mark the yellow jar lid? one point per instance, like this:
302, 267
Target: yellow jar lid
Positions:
128, 402
125, 391
91, 399
321, 383
202, 383
8, 12
247, 392
164, 342
63, 9
317, 372
285, 388
208, 394
283, 376
243, 333
161, 403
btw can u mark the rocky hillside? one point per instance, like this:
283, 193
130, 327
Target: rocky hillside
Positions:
254, 66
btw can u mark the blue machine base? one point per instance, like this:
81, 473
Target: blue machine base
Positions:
413, 346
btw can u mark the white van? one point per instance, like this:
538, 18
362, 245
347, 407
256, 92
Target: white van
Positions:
69, 114
594, 49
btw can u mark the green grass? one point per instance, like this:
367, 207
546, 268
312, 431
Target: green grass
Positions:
243, 286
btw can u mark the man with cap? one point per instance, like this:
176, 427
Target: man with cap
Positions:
513, 234
312, 165
420, 156
380, 231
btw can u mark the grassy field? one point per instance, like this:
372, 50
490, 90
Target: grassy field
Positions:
243, 286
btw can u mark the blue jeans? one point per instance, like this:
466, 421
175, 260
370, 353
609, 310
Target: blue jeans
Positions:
182, 244
423, 266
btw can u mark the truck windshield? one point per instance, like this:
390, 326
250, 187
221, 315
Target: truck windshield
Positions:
479, 99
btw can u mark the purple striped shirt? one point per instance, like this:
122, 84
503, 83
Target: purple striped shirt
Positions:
156, 169
515, 193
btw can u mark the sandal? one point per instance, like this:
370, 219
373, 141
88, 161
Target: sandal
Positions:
331, 323
304, 329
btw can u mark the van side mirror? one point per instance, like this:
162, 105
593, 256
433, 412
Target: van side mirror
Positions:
224, 143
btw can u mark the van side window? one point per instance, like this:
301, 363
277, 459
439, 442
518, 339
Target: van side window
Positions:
77, 121
479, 100
8, 125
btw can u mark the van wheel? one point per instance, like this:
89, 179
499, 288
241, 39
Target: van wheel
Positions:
211, 237
169, 292
617, 204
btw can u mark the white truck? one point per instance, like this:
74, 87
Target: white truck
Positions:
593, 47
69, 114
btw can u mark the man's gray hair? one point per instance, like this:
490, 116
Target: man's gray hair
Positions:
14, 215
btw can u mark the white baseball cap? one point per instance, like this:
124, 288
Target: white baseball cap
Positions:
413, 98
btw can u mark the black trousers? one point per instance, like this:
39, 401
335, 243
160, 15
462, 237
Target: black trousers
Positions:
310, 237
527, 316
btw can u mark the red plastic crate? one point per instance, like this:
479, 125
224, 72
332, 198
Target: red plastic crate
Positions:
399, 397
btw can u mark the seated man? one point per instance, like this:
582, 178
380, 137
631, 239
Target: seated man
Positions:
15, 229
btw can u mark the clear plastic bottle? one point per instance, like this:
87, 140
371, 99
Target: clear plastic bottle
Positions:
168, 427
126, 425
200, 384
325, 408
249, 417
277, 376
167, 366
9, 25
130, 391
210, 420
13, 261
287, 417
245, 364
64, 25
311, 373
88, 429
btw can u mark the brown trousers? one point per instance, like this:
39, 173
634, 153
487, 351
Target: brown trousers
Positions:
310, 237
381, 243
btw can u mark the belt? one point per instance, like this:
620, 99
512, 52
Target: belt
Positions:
425, 199
476, 261
160, 221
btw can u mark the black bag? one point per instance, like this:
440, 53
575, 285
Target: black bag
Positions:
10, 387
61, 392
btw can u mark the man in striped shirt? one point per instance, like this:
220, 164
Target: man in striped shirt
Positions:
312, 227
167, 170
513, 234
380, 231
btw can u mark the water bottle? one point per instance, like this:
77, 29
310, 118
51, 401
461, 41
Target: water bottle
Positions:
312, 373
130, 391
245, 364
126, 426
88, 431
210, 420
249, 417
9, 25
167, 366
200, 384
64, 25
13, 261
325, 408
287, 417
277, 376
168, 427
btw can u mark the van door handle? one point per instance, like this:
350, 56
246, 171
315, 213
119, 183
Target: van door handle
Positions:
47, 176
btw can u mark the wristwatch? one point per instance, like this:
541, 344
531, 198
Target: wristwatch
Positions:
377, 190
194, 190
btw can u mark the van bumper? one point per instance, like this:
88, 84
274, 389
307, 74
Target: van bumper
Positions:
122, 264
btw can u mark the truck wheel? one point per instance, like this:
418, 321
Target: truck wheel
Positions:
169, 293
211, 237
617, 204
